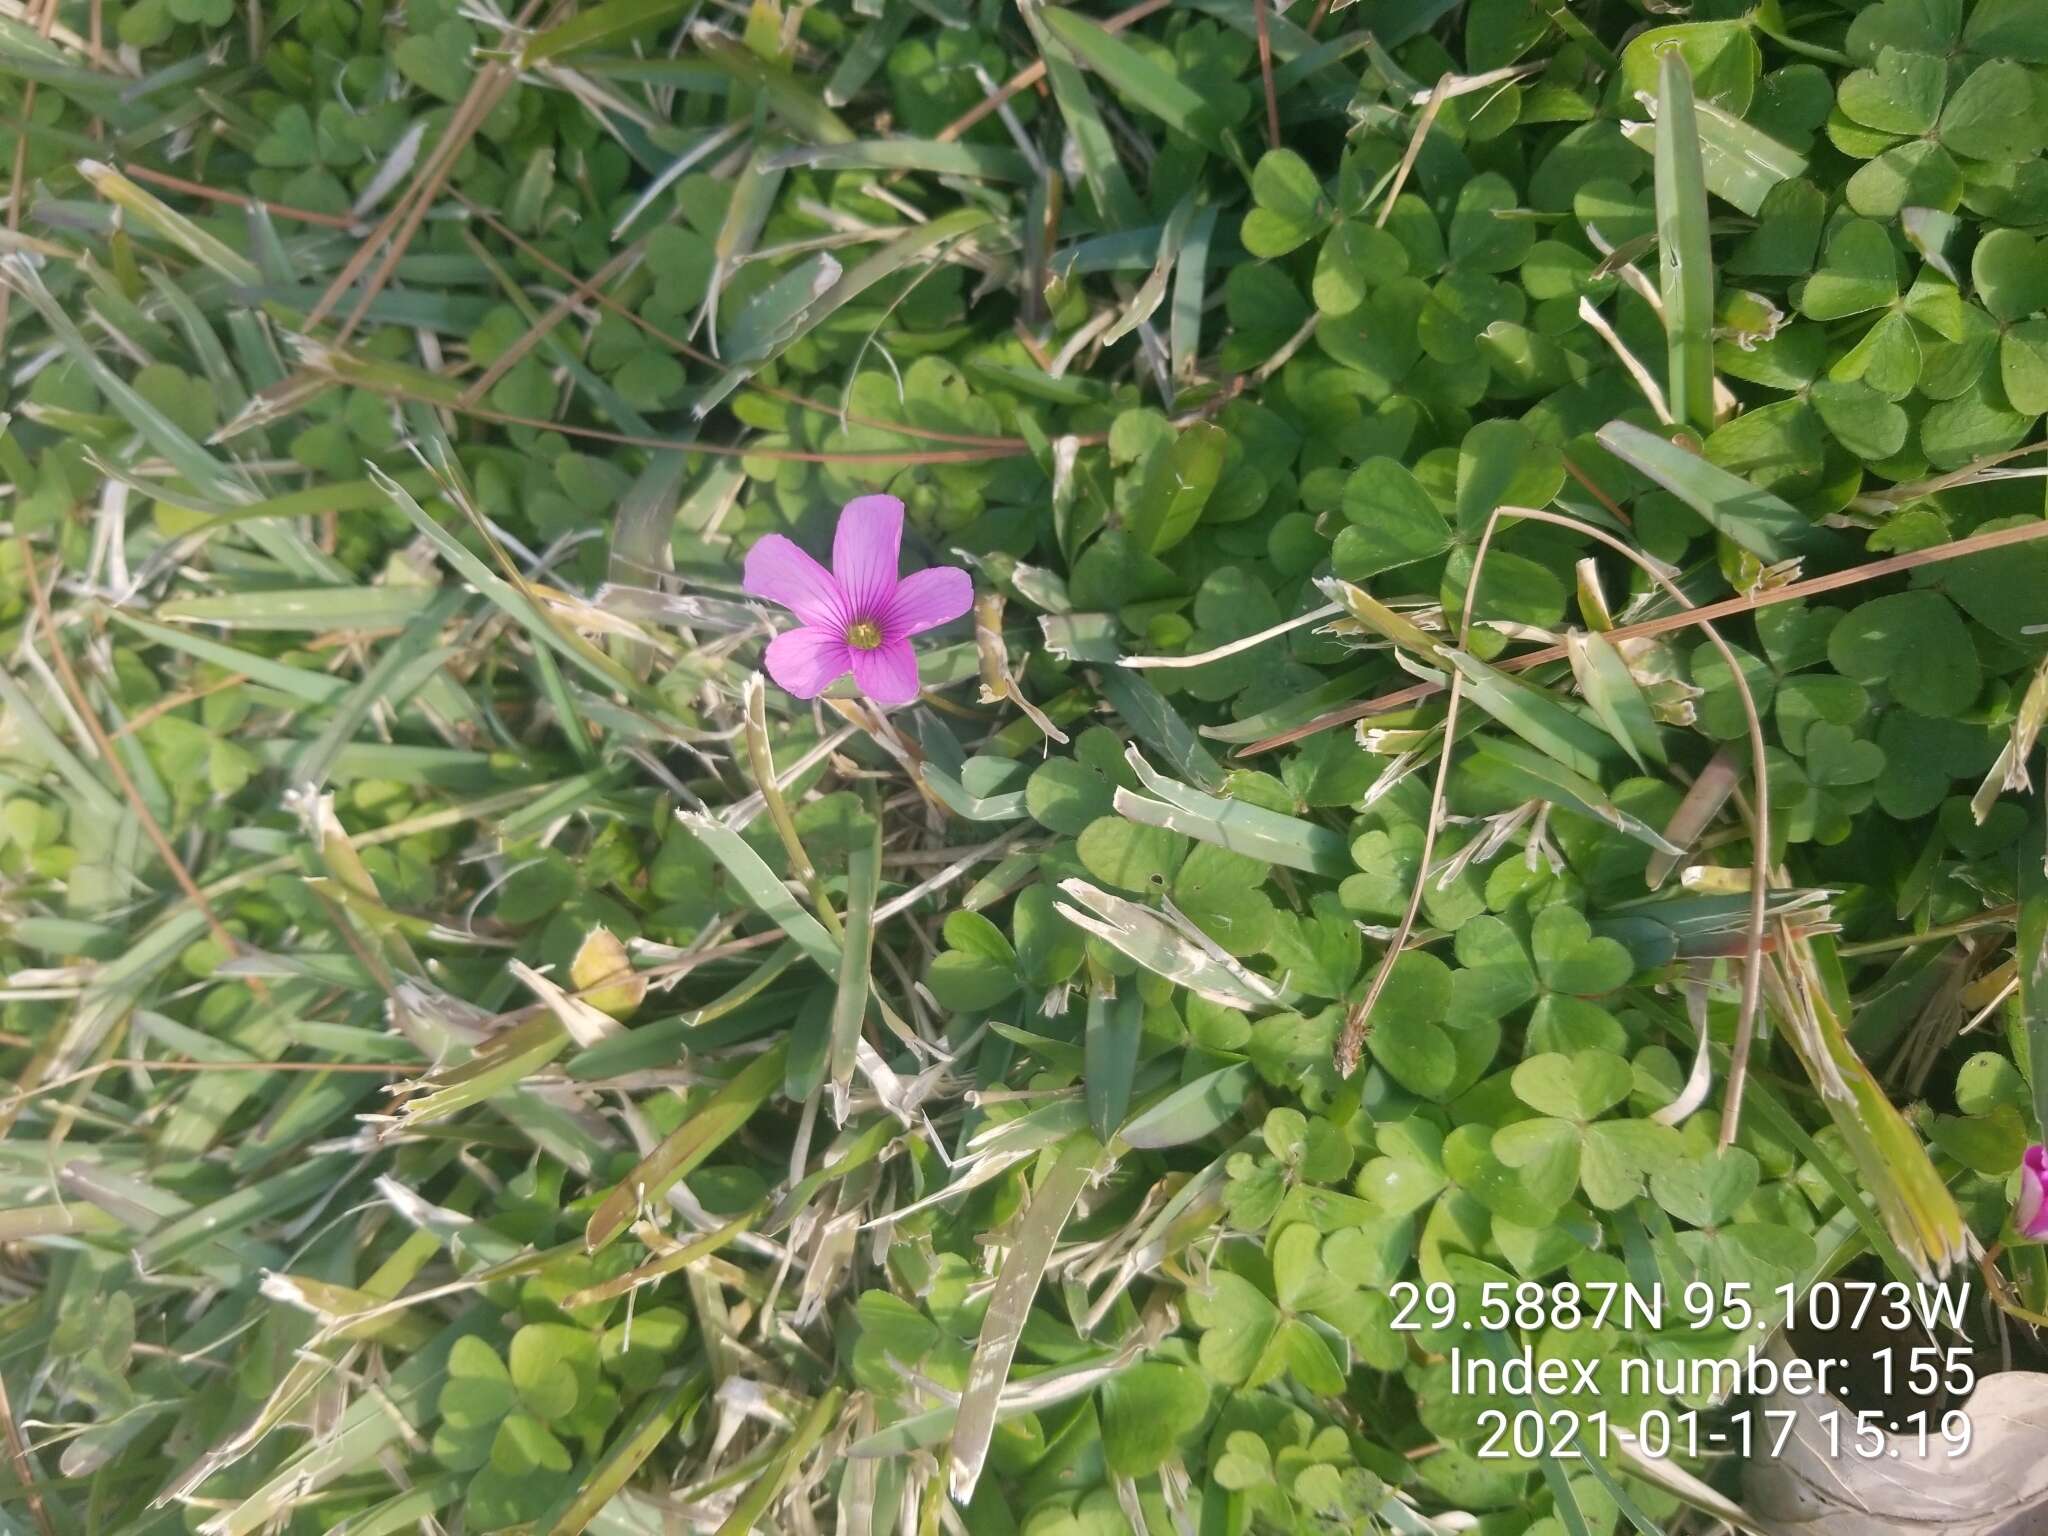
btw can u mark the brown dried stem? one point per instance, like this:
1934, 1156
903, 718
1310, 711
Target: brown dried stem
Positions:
1976, 544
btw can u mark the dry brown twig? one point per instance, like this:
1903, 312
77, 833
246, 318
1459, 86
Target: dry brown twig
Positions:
1833, 581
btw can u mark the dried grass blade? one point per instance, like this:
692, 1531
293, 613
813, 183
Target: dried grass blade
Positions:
1009, 1309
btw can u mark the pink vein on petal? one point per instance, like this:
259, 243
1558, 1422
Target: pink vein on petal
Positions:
806, 662
887, 674
926, 600
779, 570
865, 551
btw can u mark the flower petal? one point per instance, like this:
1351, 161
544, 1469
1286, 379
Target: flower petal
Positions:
780, 571
927, 599
2029, 1209
806, 662
887, 674
865, 551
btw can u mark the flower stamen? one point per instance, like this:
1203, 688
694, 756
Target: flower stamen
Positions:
864, 635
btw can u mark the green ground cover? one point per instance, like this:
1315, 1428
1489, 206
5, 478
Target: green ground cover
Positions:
1489, 761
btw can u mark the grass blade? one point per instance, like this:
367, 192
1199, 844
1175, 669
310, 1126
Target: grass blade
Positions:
1685, 257
598, 27
1009, 1309
1110, 1041
1252, 830
1767, 526
850, 1004
1100, 166
686, 1147
154, 214
1617, 698
2030, 952
1135, 76
768, 894
1164, 950
1741, 163
1193, 1110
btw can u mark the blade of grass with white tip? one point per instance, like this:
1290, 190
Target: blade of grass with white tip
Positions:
2009, 771
1685, 256
859, 63
780, 959
1767, 526
154, 214
1153, 289
1164, 950
1190, 291
702, 1132
1385, 622
1009, 1309
955, 797
500, 1065
856, 955
1237, 825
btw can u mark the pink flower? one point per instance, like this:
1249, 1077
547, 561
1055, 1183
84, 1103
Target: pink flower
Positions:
2030, 1211
856, 617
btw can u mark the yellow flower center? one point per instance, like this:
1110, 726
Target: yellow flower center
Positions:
864, 635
